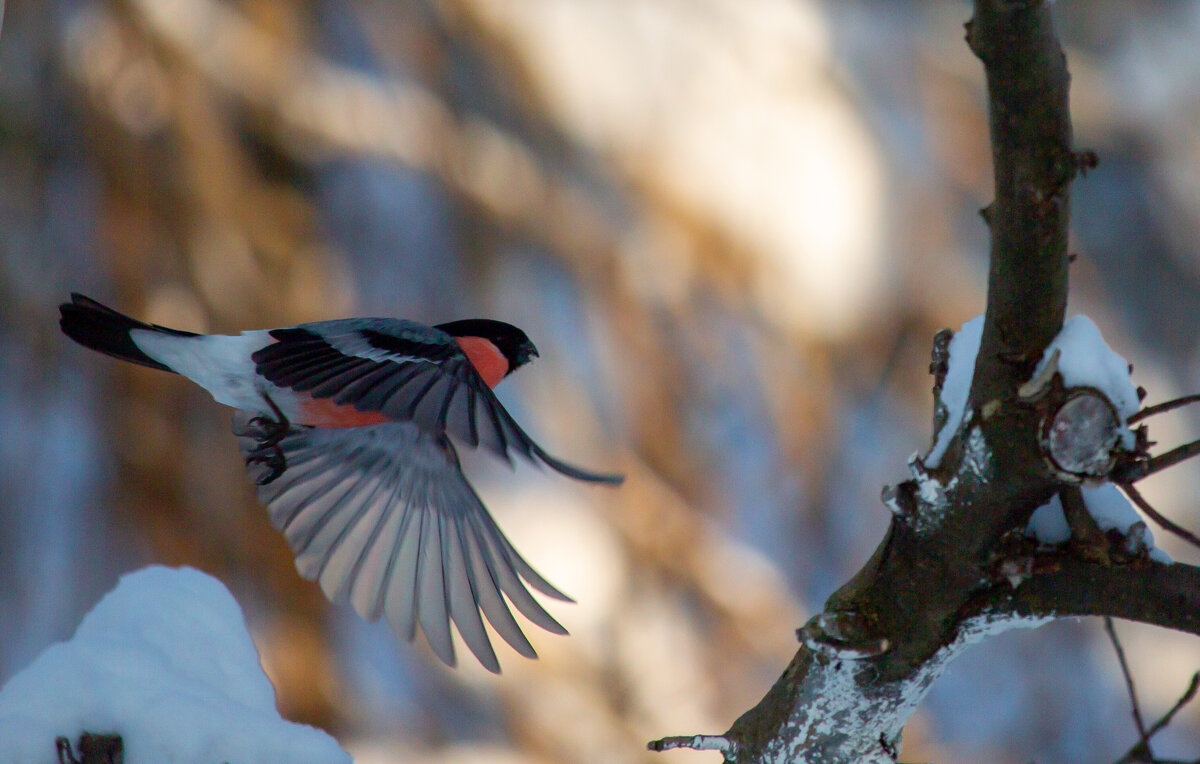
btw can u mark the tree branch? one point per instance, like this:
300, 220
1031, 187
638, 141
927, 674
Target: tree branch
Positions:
1027, 85
1145, 591
1158, 517
1162, 408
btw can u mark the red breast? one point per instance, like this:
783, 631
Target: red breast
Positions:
485, 357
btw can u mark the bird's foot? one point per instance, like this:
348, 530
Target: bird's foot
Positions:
267, 433
272, 457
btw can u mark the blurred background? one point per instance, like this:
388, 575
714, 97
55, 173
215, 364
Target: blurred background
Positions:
731, 228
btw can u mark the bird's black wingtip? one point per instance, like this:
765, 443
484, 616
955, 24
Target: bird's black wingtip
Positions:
613, 479
578, 473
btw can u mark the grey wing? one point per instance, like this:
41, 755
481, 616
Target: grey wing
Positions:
383, 518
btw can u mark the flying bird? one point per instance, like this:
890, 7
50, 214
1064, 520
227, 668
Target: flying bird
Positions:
346, 428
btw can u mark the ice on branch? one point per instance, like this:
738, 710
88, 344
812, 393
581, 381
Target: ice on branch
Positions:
964, 347
164, 661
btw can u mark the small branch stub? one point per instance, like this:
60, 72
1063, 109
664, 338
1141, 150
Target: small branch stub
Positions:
693, 742
93, 749
1040, 386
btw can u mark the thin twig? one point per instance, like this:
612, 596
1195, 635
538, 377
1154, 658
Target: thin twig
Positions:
1159, 408
1140, 751
1163, 461
1154, 515
1137, 709
1186, 698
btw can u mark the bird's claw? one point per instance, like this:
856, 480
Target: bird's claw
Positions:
267, 433
272, 457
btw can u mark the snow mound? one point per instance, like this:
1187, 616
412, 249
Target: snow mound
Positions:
165, 661
1086, 360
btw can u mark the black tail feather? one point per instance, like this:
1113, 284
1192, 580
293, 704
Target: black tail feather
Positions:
105, 330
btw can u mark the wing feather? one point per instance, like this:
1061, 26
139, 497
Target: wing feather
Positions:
459, 417
341, 563
348, 373
369, 577
382, 517
374, 398
464, 601
509, 581
433, 404
401, 404
401, 603
359, 390
431, 589
491, 601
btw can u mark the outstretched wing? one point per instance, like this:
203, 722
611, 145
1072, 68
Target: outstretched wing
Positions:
406, 372
382, 517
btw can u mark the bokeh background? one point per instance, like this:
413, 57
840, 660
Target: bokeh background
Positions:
732, 228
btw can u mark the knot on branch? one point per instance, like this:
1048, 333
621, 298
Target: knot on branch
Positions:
845, 634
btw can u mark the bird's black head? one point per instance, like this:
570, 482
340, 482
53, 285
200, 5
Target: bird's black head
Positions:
511, 341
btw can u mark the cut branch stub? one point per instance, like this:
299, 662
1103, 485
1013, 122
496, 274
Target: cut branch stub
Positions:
1080, 435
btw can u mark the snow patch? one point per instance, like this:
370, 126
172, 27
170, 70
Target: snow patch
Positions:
1113, 511
963, 349
1107, 505
1110, 508
1048, 524
1086, 360
165, 661
931, 491
848, 715
980, 627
